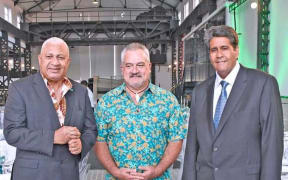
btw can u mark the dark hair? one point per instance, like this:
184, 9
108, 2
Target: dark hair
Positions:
84, 82
221, 31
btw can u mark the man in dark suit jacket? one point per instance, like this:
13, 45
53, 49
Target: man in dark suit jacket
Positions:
236, 126
49, 119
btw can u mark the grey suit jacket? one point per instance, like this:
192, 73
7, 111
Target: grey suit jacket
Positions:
30, 121
248, 143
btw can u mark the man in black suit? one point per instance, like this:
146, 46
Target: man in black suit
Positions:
236, 122
48, 118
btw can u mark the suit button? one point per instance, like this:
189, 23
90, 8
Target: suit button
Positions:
215, 169
215, 149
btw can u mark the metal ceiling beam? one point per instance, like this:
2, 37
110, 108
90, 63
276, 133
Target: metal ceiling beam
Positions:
167, 4
123, 4
235, 5
37, 4
96, 9
104, 41
152, 30
180, 1
78, 3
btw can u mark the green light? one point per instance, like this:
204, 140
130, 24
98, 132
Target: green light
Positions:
278, 56
245, 19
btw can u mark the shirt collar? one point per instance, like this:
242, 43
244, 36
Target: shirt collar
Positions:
66, 82
122, 88
231, 76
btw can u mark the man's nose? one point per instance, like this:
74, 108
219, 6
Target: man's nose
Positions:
55, 61
135, 69
219, 53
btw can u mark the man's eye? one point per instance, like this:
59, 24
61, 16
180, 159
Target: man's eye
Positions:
49, 57
128, 65
140, 65
213, 50
61, 58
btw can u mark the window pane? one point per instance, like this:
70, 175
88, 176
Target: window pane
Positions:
186, 9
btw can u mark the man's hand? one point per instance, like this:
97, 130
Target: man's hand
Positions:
75, 146
65, 134
127, 174
149, 172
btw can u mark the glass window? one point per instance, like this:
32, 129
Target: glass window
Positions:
18, 21
195, 3
180, 17
186, 9
8, 14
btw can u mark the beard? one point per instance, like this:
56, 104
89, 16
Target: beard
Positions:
136, 85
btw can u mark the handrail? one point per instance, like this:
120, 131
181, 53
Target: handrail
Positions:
99, 15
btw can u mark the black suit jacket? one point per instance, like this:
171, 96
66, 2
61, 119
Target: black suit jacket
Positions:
30, 121
248, 143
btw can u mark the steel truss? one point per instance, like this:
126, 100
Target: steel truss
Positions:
15, 62
263, 35
105, 32
174, 67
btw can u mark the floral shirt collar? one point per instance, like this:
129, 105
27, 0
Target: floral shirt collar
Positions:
60, 106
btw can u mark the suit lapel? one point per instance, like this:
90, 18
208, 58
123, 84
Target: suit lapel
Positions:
70, 102
45, 100
205, 117
210, 94
234, 97
204, 114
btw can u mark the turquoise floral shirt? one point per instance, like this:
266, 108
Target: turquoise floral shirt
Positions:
137, 135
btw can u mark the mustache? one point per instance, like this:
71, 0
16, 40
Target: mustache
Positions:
135, 75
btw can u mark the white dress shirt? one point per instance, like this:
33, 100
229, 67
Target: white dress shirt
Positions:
91, 97
217, 87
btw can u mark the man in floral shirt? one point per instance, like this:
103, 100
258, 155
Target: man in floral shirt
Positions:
139, 124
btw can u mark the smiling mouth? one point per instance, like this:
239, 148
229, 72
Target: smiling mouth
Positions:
135, 76
221, 61
54, 70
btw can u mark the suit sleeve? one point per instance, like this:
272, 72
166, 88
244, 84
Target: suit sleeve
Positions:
89, 131
191, 151
15, 126
271, 119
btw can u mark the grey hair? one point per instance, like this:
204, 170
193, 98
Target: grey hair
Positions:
221, 31
134, 47
54, 40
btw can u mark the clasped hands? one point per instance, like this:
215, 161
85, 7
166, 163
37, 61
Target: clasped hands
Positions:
149, 172
71, 136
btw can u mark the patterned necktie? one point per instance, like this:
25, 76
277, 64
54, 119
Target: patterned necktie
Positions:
220, 104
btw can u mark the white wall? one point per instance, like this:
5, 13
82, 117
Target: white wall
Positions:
102, 63
278, 51
163, 76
